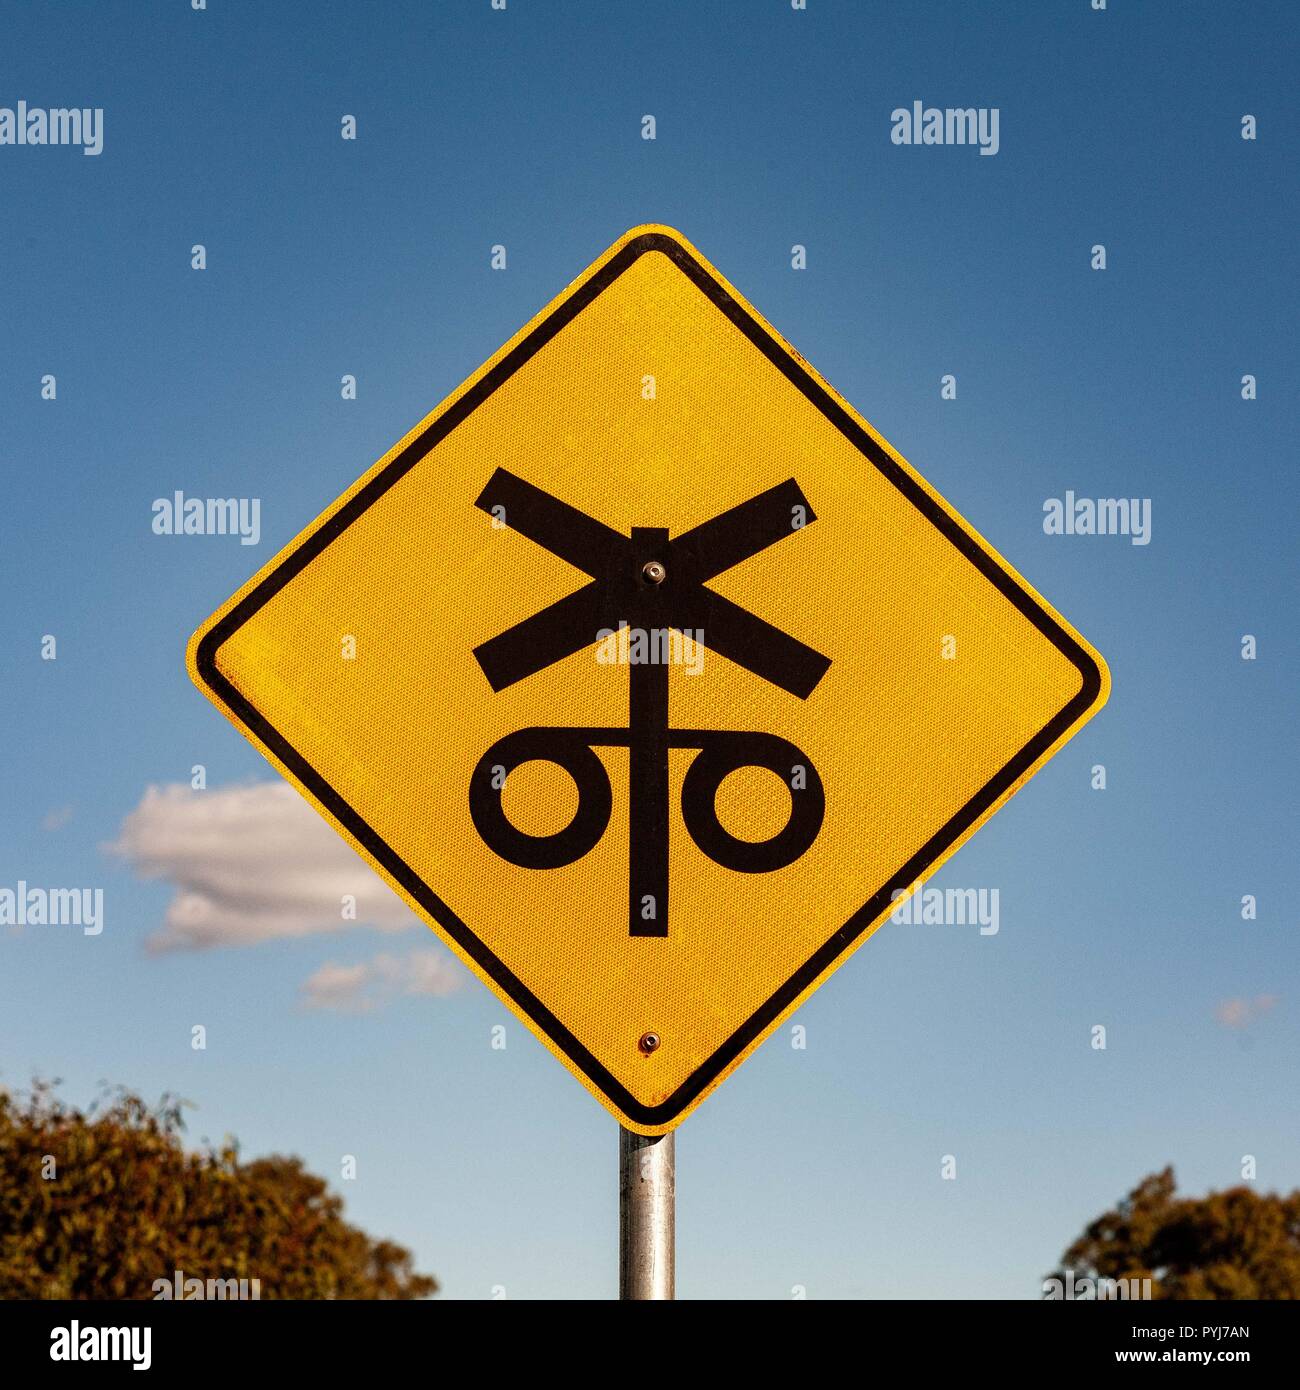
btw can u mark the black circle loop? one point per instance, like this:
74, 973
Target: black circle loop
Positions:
725, 753
565, 748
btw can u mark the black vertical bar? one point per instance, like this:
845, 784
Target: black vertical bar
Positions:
648, 759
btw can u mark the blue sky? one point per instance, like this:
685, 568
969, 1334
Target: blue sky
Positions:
817, 1168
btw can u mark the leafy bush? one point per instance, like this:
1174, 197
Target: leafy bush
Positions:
100, 1204
1227, 1245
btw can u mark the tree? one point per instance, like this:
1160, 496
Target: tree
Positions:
101, 1204
1233, 1244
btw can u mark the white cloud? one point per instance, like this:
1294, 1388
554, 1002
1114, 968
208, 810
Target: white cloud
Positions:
1238, 1013
250, 863
57, 819
374, 983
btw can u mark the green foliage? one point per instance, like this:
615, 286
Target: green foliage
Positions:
128, 1204
1233, 1244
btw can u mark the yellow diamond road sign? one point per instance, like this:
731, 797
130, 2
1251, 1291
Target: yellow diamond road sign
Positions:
648, 674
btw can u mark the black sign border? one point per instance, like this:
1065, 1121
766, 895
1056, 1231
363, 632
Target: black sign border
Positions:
841, 940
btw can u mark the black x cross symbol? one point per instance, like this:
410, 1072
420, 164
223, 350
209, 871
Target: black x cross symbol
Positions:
619, 592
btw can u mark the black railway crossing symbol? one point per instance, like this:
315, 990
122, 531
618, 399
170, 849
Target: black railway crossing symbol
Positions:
652, 582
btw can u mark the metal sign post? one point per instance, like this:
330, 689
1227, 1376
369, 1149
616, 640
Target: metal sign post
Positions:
646, 1220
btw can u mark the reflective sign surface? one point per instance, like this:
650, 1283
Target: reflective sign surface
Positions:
648, 675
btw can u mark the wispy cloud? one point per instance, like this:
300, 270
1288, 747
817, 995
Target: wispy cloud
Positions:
250, 863
374, 983
56, 819
1238, 1013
